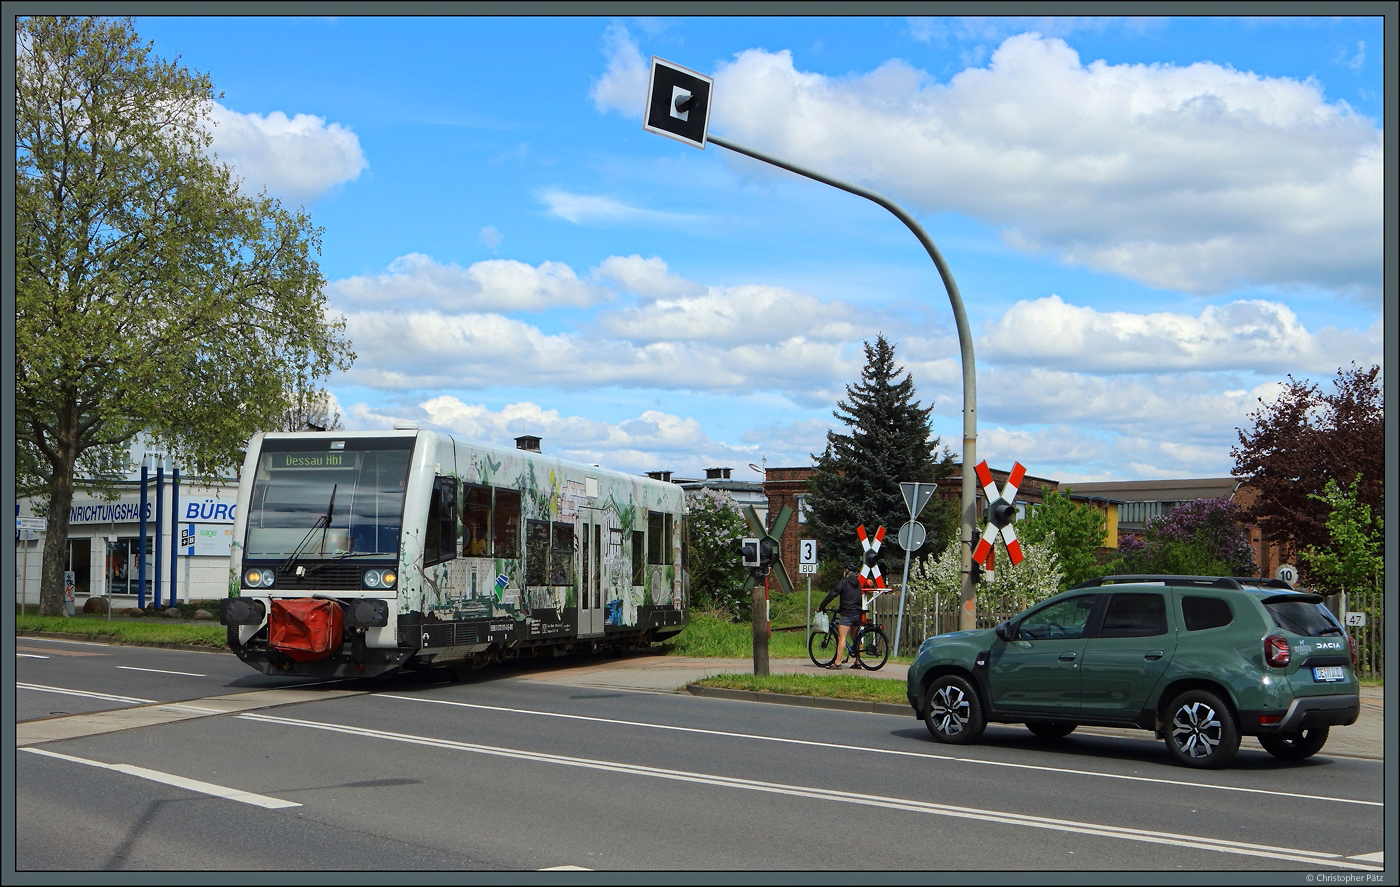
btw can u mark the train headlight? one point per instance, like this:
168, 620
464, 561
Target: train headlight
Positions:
380, 578
258, 577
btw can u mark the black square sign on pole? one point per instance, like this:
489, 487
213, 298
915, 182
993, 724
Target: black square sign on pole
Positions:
678, 103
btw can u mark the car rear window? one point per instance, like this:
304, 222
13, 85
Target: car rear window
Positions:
1302, 618
1199, 613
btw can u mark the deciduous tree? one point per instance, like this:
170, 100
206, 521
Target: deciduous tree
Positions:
1302, 440
150, 293
1075, 531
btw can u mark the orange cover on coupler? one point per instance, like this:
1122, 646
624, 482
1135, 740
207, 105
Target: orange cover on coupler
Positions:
305, 629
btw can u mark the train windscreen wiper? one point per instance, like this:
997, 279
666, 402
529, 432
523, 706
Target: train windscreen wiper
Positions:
323, 523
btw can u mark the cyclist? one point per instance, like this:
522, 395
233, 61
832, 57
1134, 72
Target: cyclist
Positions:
848, 610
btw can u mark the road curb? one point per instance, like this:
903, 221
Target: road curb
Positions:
884, 708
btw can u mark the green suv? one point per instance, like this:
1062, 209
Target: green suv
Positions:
1200, 661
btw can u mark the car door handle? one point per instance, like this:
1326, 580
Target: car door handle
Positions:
1067, 656
1153, 656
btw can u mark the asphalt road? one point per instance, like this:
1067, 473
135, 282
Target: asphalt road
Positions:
147, 759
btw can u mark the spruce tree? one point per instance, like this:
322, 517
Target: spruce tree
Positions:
856, 479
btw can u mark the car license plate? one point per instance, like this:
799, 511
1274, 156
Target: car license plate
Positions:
1328, 673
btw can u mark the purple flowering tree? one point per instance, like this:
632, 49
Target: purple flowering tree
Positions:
1199, 538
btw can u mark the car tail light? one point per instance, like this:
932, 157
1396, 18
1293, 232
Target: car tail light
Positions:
1276, 651
1352, 641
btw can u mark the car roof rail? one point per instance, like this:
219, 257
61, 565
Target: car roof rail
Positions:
1211, 581
1264, 583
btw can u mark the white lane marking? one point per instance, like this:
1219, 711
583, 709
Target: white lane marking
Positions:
34, 637
188, 674
29, 656
86, 693
194, 785
888, 751
1378, 857
1309, 857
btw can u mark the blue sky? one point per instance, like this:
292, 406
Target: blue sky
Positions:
1152, 222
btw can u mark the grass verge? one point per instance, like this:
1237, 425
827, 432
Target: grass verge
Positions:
839, 686
151, 630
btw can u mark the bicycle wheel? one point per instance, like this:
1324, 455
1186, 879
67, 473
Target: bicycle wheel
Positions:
821, 646
873, 649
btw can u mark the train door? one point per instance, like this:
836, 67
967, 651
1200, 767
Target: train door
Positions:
591, 615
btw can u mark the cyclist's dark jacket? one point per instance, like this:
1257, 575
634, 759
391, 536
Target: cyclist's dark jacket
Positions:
848, 589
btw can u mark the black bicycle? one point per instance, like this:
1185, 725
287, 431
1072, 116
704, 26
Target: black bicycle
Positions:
866, 642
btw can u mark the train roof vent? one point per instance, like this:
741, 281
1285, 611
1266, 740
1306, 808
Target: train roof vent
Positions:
405, 426
528, 442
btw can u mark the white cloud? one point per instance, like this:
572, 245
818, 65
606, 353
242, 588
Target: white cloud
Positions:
418, 281
1107, 393
649, 278
297, 158
1256, 335
652, 440
588, 209
490, 237
1200, 177
623, 87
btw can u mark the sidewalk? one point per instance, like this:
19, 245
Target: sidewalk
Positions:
674, 674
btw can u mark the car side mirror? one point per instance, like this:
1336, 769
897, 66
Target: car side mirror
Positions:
1004, 630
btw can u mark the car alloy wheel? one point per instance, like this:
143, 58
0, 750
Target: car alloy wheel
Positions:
954, 711
1201, 731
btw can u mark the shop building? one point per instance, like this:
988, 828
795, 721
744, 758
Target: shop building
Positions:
187, 526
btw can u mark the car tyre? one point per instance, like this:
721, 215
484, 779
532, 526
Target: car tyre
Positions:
954, 710
1201, 731
1295, 746
1051, 729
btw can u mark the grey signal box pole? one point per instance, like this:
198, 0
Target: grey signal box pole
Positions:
678, 106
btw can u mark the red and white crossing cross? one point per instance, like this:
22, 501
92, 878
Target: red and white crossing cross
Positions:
1001, 509
870, 568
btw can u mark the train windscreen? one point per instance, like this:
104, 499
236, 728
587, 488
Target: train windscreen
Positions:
326, 497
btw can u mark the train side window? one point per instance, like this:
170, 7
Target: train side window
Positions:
658, 537
561, 555
537, 552
440, 538
639, 557
505, 523
476, 520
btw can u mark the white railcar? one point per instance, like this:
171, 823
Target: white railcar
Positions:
361, 553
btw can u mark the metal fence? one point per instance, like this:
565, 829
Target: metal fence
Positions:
944, 615
1370, 638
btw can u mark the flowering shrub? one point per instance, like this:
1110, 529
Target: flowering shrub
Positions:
1013, 589
714, 527
1202, 537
